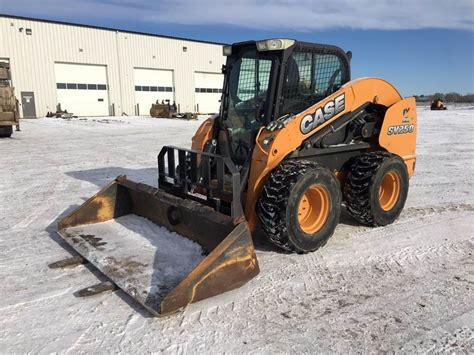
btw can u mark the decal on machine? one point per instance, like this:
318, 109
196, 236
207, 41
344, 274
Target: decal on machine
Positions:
322, 114
403, 128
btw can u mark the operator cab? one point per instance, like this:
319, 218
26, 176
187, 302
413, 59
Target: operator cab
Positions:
269, 79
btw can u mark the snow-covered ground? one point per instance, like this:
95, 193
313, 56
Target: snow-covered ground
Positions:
406, 287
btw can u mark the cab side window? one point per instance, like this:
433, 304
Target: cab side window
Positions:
309, 78
327, 74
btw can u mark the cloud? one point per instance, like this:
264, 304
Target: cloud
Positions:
299, 15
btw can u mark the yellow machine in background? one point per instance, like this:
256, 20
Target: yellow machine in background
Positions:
167, 110
295, 139
9, 116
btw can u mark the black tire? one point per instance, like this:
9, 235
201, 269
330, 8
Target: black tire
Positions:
6, 131
362, 187
280, 199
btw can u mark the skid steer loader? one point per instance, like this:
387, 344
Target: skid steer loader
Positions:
295, 139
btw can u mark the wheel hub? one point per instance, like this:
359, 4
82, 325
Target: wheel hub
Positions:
313, 209
389, 190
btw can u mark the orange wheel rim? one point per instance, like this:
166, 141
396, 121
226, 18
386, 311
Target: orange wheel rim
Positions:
389, 190
313, 209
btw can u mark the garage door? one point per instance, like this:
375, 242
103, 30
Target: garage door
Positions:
82, 89
152, 85
208, 88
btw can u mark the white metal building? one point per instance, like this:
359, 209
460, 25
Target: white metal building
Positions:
94, 71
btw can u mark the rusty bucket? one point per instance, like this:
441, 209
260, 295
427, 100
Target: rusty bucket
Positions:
162, 250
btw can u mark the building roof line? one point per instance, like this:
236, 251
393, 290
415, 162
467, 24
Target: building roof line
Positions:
107, 29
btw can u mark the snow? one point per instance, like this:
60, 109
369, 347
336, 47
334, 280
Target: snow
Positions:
145, 260
407, 287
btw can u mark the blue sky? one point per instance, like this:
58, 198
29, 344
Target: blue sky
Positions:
421, 46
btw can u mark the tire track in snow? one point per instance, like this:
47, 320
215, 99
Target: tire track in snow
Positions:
47, 200
453, 336
366, 272
44, 298
410, 218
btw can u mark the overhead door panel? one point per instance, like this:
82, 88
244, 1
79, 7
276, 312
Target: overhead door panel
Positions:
82, 89
152, 85
208, 91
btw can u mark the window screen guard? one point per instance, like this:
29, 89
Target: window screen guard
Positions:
309, 78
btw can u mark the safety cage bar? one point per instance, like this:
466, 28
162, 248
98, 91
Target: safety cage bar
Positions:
194, 168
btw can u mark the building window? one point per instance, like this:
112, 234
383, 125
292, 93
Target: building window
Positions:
75, 86
208, 90
154, 88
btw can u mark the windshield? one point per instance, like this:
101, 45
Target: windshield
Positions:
247, 89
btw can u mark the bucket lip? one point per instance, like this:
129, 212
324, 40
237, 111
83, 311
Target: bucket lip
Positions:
223, 248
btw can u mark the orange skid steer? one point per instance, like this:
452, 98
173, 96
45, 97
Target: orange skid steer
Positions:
295, 139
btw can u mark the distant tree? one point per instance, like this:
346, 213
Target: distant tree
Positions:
449, 97
468, 98
453, 97
438, 95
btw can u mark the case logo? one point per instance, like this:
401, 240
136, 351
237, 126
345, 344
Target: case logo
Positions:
322, 114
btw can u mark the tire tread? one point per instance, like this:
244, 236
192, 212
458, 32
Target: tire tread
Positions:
273, 202
357, 186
